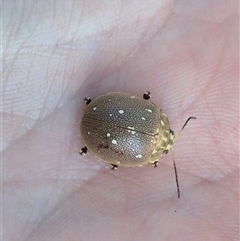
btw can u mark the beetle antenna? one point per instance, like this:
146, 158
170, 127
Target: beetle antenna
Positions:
189, 118
176, 176
174, 164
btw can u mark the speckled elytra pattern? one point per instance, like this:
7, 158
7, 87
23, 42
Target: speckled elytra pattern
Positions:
125, 130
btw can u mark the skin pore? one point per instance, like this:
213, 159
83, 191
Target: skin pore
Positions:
57, 53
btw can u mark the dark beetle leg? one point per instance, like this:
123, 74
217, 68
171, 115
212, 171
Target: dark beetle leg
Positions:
88, 100
146, 95
165, 152
155, 164
172, 132
113, 166
83, 151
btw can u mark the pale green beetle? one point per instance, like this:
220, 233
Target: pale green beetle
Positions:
126, 130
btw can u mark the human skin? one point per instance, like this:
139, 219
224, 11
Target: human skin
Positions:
57, 53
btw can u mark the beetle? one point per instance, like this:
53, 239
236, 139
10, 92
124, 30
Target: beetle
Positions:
126, 130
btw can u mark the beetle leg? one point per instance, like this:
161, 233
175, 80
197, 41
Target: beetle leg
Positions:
146, 95
88, 100
113, 166
155, 164
165, 151
83, 151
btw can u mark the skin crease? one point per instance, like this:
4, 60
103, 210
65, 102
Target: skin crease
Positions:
57, 53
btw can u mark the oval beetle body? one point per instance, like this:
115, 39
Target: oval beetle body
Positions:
125, 130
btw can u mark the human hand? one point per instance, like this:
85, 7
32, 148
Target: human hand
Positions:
58, 53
